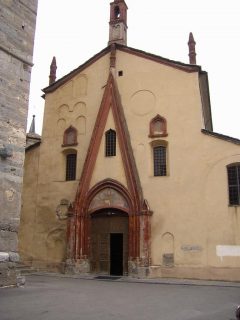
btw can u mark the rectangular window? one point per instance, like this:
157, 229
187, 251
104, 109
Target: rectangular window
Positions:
71, 167
234, 184
159, 160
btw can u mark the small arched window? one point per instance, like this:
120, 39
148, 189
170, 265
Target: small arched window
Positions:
71, 166
70, 137
158, 127
110, 143
233, 171
117, 12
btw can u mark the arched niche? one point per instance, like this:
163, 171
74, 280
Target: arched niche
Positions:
158, 127
63, 111
168, 249
79, 109
70, 137
61, 123
81, 124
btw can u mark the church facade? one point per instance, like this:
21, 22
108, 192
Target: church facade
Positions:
129, 177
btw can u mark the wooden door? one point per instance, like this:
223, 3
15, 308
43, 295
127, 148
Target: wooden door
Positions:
100, 244
103, 257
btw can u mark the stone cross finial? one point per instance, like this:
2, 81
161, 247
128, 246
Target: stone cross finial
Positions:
192, 53
53, 69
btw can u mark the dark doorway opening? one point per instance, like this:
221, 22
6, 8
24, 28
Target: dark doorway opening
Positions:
109, 242
116, 254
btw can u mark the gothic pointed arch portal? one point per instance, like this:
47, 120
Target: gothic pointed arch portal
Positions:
127, 199
109, 207
109, 218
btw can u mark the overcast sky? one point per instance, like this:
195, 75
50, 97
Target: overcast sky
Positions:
75, 30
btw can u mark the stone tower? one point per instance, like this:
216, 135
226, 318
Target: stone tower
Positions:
118, 22
17, 29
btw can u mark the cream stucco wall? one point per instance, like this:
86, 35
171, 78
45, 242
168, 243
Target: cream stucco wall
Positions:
72, 104
109, 167
191, 216
191, 203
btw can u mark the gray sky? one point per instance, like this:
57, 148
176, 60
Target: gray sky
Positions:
75, 30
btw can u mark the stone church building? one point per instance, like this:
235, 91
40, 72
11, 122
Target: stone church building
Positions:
129, 177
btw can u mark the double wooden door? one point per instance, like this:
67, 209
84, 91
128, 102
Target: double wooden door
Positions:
109, 243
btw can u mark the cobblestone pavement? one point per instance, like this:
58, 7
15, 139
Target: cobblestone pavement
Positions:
69, 298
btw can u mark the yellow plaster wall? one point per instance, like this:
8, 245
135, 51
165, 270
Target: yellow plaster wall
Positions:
79, 98
191, 203
109, 167
191, 216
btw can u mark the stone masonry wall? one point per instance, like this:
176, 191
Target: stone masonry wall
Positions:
17, 30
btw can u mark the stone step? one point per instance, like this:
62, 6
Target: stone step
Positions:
25, 268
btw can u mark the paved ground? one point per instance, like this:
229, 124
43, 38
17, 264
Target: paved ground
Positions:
61, 298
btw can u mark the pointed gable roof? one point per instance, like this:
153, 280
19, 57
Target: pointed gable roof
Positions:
145, 55
111, 99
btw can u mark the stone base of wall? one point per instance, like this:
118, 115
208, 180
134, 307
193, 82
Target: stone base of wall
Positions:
45, 266
135, 270
200, 273
9, 274
81, 266
69, 267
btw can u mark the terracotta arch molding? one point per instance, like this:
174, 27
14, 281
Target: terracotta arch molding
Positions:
79, 231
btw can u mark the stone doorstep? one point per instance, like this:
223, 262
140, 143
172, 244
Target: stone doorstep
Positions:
9, 257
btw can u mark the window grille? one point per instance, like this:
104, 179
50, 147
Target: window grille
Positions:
159, 159
110, 146
71, 163
234, 184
